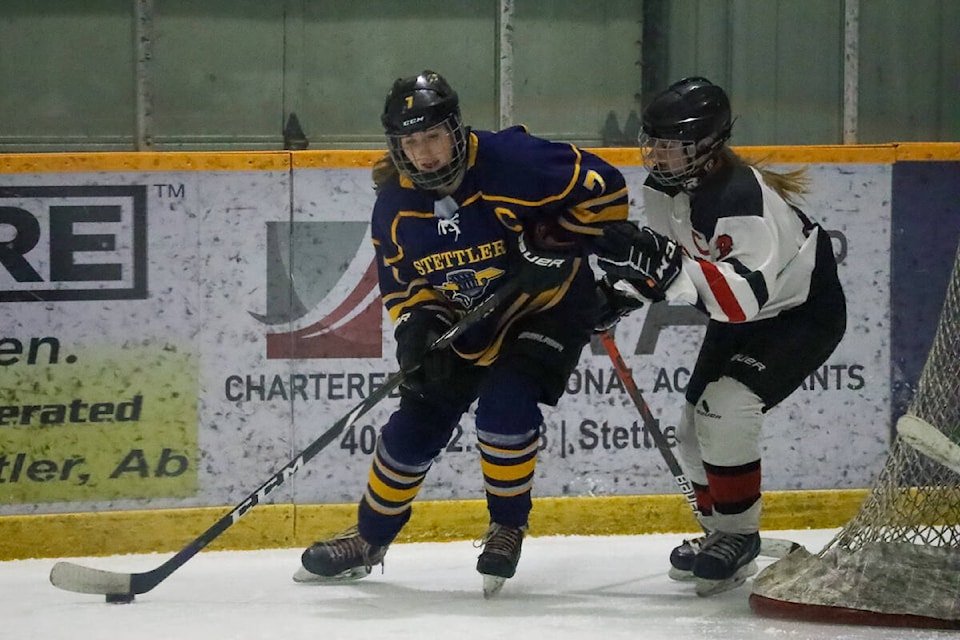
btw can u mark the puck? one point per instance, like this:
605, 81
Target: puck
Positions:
119, 598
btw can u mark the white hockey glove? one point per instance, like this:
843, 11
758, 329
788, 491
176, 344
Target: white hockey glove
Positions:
648, 260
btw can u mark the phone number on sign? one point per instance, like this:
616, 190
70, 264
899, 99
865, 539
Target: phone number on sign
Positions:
563, 438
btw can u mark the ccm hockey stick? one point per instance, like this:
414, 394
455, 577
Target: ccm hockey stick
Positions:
121, 587
928, 440
770, 547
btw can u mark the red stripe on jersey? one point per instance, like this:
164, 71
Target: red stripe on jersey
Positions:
722, 292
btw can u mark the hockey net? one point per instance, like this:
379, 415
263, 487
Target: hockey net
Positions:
897, 561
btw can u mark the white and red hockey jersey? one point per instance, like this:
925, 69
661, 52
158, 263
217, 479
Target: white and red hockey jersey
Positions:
748, 254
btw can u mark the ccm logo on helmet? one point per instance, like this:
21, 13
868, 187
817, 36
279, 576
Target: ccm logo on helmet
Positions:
411, 121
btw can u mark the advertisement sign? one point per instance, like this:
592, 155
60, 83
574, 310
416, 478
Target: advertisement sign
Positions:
830, 433
171, 338
117, 292
97, 423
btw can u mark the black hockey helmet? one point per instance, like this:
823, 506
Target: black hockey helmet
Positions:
420, 103
693, 115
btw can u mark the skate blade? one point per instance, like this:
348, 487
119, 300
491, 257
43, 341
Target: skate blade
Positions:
492, 585
680, 575
706, 588
303, 576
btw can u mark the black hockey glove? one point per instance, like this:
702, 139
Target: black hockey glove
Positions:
423, 368
542, 261
647, 259
617, 300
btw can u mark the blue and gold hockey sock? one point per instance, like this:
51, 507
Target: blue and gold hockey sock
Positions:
385, 506
508, 463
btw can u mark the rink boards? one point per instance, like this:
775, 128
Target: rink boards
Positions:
177, 326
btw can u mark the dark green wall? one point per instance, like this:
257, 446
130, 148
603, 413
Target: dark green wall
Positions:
226, 74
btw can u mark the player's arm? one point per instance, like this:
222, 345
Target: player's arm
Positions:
736, 286
648, 260
597, 197
731, 288
420, 316
402, 287
560, 182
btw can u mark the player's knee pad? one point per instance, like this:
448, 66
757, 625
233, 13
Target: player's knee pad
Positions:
688, 449
508, 403
728, 417
416, 433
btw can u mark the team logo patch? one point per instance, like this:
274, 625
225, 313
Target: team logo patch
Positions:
724, 245
466, 286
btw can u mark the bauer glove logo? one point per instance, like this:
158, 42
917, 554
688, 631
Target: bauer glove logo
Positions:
539, 261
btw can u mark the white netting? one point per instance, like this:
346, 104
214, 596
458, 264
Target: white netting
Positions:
897, 562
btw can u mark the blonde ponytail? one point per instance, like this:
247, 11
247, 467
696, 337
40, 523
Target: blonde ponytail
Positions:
384, 172
789, 185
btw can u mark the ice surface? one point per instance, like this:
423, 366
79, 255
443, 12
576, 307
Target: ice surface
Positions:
566, 587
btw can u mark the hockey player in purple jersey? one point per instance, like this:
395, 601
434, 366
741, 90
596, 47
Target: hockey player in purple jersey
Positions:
460, 213
727, 237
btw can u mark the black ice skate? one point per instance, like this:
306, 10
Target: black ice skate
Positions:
725, 561
501, 553
681, 559
344, 557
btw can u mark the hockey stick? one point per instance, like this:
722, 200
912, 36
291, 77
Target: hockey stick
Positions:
770, 547
121, 587
928, 440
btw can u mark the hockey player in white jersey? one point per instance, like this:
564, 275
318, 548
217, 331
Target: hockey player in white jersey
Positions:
729, 238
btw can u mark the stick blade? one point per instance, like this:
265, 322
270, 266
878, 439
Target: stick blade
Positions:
927, 439
80, 579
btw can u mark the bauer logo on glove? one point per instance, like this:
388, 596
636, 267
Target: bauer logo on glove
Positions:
544, 258
538, 260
